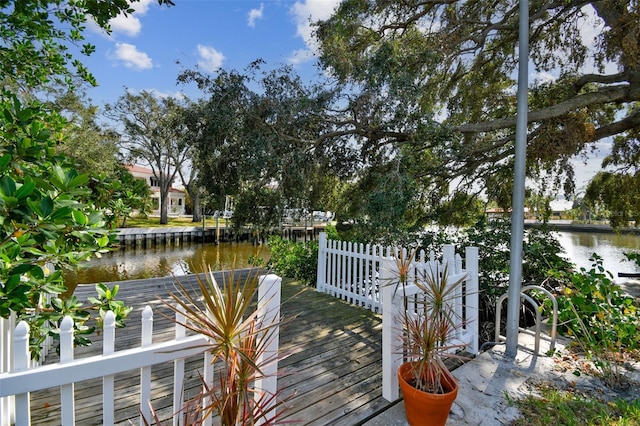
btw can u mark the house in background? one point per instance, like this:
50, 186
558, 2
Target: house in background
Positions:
177, 197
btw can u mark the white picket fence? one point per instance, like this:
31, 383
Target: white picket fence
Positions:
367, 276
22, 379
350, 271
7, 327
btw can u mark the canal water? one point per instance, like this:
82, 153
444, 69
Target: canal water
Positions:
137, 263
580, 246
162, 261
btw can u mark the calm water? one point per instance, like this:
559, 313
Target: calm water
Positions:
164, 261
580, 246
137, 263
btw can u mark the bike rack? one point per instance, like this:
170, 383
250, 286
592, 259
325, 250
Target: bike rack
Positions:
536, 307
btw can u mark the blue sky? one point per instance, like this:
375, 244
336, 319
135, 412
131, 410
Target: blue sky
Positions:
142, 50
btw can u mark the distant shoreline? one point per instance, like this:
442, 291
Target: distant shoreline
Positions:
561, 225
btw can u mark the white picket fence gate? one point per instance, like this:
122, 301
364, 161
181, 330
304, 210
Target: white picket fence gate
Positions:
367, 276
22, 378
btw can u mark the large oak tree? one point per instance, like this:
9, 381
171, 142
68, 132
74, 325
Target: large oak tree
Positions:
152, 130
258, 138
411, 63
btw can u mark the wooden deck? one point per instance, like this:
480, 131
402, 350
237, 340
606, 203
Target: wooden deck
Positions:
333, 368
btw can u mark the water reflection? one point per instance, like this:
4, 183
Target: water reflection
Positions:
138, 263
580, 246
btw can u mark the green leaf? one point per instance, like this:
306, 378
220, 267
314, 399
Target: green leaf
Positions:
102, 241
57, 304
58, 178
54, 288
37, 272
5, 160
101, 289
26, 189
61, 213
22, 269
7, 186
77, 181
79, 217
46, 206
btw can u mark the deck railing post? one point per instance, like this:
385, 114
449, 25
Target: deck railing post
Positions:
21, 359
145, 372
472, 297
67, 401
391, 358
108, 388
7, 326
178, 369
322, 262
269, 313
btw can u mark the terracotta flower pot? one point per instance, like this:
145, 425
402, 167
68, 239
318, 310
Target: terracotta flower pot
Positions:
424, 408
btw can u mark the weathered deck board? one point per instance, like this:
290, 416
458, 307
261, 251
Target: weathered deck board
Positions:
330, 361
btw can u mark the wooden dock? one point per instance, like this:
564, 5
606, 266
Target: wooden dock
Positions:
154, 237
332, 365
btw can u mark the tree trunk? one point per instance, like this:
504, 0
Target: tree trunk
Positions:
196, 207
164, 207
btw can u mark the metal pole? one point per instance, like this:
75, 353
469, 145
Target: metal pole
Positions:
517, 211
202, 211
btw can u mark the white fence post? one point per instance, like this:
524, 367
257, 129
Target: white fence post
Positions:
391, 357
21, 358
108, 388
67, 401
7, 326
269, 313
178, 369
322, 262
472, 297
207, 376
145, 372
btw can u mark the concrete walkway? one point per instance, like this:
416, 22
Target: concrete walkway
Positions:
488, 382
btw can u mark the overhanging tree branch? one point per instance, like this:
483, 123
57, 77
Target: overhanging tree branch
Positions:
623, 93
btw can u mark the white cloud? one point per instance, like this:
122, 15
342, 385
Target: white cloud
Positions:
300, 56
210, 59
307, 11
159, 93
127, 25
132, 57
130, 25
543, 77
254, 15
142, 6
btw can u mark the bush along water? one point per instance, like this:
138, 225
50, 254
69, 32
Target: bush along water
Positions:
603, 320
294, 260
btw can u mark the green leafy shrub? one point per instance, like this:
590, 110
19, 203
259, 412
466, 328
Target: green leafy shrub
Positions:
46, 224
542, 254
106, 301
294, 260
596, 311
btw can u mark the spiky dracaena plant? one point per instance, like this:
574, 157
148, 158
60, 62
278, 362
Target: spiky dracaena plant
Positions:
429, 327
238, 336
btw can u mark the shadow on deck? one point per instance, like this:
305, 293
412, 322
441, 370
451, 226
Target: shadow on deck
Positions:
332, 363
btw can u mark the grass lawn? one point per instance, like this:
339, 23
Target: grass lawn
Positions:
561, 408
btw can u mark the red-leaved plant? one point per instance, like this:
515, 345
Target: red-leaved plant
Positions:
427, 330
237, 338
